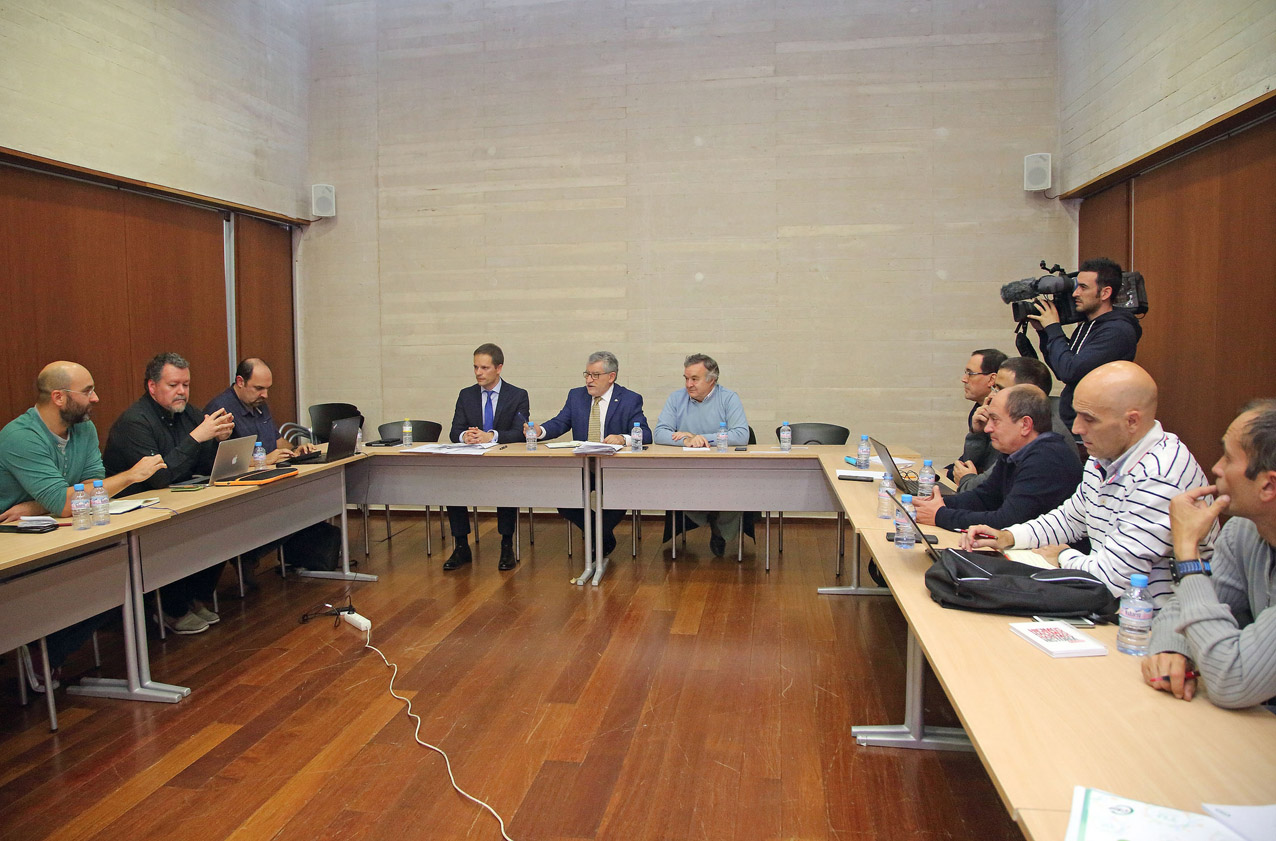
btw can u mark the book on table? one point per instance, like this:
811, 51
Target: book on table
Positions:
1059, 639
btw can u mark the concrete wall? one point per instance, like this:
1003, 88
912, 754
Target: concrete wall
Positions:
1137, 74
826, 196
207, 97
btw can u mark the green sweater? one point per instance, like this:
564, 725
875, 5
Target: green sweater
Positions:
34, 466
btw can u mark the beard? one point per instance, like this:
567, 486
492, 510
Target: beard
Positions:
75, 413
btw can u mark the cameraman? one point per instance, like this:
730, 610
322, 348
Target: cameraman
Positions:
1106, 335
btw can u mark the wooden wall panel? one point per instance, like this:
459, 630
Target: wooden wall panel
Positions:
62, 277
1201, 235
264, 306
177, 290
1105, 226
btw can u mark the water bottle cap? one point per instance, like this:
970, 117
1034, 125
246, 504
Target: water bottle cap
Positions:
97, 483
927, 463
79, 486
906, 498
786, 423
1139, 579
258, 444
863, 437
886, 474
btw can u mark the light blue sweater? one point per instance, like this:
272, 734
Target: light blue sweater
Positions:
681, 413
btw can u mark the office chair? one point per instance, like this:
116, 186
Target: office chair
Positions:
293, 433
812, 433
323, 415
423, 432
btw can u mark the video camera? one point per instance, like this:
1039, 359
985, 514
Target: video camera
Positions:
1056, 282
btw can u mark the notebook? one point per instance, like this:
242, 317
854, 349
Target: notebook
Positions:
341, 443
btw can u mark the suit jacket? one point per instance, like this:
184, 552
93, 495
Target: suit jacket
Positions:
512, 411
624, 409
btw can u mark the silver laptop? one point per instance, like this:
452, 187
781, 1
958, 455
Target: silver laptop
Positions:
234, 459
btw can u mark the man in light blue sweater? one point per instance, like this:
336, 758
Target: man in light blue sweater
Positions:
691, 418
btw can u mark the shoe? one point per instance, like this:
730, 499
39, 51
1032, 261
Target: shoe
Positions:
188, 624
35, 680
508, 561
717, 545
204, 613
609, 545
460, 557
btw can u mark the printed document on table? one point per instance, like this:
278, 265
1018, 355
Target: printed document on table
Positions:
1253, 823
899, 462
1100, 816
453, 449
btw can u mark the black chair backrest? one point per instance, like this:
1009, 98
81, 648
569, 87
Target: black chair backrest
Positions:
423, 432
817, 433
322, 416
753, 439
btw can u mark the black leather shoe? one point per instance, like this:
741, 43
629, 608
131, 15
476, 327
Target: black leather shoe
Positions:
508, 561
460, 557
609, 545
717, 545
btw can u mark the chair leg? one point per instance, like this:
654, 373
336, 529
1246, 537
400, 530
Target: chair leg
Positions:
429, 550
48, 685
781, 532
215, 606
22, 676
364, 510
634, 534
569, 540
283, 567
388, 535
518, 534
239, 570
673, 539
97, 652
531, 527
475, 529
159, 613
739, 552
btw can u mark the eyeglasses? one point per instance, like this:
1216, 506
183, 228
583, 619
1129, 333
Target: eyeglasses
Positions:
83, 392
589, 375
969, 373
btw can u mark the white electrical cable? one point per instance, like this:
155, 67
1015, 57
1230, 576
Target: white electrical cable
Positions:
416, 734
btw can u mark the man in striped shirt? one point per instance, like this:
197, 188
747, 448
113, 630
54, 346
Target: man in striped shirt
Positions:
1223, 614
1123, 503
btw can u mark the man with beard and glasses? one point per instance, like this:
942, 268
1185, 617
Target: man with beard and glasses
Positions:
44, 452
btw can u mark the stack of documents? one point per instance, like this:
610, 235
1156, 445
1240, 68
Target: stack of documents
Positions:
594, 448
1100, 816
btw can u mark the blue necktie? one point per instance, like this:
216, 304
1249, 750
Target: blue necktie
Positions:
488, 419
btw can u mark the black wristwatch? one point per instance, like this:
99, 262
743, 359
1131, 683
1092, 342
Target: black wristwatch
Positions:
1182, 569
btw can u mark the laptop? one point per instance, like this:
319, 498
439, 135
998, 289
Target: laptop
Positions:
341, 443
233, 465
908, 486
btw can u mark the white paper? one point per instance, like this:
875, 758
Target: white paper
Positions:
39, 520
592, 448
565, 445
1099, 816
1253, 823
453, 449
899, 462
1027, 556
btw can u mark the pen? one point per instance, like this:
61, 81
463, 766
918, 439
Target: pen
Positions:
503, 446
1186, 676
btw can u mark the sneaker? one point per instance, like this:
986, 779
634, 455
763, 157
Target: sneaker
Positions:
35, 680
188, 624
204, 613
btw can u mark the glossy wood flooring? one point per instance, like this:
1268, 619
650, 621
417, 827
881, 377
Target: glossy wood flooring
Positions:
696, 699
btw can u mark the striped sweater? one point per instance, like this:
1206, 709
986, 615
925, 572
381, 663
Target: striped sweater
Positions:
1227, 623
1123, 506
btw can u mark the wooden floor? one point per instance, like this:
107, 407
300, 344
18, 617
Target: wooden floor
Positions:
696, 699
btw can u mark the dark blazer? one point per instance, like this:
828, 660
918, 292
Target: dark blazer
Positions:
512, 411
624, 409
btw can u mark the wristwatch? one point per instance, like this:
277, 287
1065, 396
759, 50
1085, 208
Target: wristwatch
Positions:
1193, 566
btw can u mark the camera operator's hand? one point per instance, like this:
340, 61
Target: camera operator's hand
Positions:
1049, 313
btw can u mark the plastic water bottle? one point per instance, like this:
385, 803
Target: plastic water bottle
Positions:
100, 504
722, 436
786, 437
636, 434
259, 456
405, 437
862, 453
886, 490
926, 479
358, 440
81, 516
1136, 612
905, 534
529, 432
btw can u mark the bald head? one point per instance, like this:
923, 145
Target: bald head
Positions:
57, 376
1116, 406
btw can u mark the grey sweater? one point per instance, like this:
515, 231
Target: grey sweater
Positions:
1226, 624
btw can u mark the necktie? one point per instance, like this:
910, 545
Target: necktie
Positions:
595, 427
488, 421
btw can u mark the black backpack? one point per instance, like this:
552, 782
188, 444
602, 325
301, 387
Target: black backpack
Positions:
993, 584
316, 547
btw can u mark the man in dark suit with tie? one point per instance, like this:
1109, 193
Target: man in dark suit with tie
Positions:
490, 410
599, 411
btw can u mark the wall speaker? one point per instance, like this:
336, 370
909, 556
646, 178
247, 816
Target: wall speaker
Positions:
1036, 172
323, 197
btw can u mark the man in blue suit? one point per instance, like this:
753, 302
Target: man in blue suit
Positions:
600, 411
489, 410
